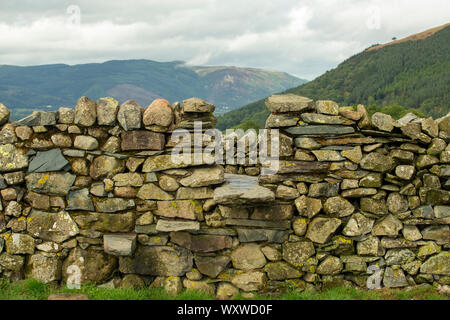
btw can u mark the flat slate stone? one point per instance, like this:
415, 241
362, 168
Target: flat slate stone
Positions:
197, 105
54, 183
318, 129
242, 189
47, 161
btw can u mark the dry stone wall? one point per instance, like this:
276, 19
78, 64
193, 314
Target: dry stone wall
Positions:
92, 194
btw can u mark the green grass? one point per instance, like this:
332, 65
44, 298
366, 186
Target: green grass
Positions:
34, 290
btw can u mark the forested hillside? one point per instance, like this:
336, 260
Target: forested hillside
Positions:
412, 74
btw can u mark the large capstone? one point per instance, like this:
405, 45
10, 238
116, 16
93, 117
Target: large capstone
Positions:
438, 264
130, 115
320, 229
203, 177
107, 111
4, 114
280, 103
296, 253
79, 200
46, 161
159, 113
106, 166
12, 159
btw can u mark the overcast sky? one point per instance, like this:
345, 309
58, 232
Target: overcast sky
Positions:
302, 37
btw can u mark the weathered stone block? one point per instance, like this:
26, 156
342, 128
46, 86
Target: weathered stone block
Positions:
142, 140
119, 244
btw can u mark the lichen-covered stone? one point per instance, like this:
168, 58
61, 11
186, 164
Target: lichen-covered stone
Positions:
56, 227
18, 243
330, 266
130, 115
383, 122
358, 225
288, 103
105, 166
112, 205
197, 105
11, 262
320, 229
39, 118
338, 207
85, 112
327, 107
326, 190
387, 226
79, 200
107, 109
394, 278
170, 226
12, 158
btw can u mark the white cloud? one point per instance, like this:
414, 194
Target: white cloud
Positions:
303, 37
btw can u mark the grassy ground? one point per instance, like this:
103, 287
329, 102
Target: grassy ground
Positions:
34, 290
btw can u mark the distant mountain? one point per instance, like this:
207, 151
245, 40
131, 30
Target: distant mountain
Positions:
35, 87
413, 73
